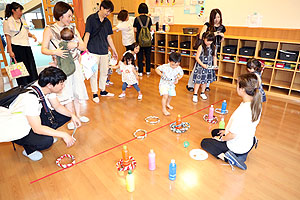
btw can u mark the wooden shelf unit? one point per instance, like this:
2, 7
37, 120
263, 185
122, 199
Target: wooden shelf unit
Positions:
276, 81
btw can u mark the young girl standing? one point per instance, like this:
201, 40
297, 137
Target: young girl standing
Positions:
216, 26
205, 59
254, 66
129, 75
238, 138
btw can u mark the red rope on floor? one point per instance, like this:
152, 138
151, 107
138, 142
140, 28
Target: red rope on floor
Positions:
119, 145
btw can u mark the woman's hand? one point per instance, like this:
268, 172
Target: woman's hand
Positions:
33, 37
73, 45
61, 53
11, 54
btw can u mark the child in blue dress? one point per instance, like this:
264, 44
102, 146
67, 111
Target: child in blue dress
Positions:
206, 59
254, 66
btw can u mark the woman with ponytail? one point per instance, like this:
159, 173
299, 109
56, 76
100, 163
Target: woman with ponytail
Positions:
233, 144
17, 36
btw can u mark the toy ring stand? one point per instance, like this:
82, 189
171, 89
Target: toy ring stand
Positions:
150, 118
218, 110
140, 136
184, 127
198, 154
65, 165
213, 121
131, 166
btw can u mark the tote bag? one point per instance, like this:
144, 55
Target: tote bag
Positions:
16, 70
89, 64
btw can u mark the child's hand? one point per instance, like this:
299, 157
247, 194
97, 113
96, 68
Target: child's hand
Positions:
176, 81
205, 66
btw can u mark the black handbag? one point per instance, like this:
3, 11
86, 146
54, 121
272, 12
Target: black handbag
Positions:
46, 113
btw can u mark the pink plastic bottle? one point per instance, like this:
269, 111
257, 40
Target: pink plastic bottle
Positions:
211, 113
151, 156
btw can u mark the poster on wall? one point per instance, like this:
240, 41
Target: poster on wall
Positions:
254, 20
194, 7
162, 11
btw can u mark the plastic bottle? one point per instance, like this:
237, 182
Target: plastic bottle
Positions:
172, 170
125, 156
151, 156
130, 181
211, 113
224, 105
222, 123
178, 121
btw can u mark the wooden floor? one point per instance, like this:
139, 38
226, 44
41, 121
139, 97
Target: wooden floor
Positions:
273, 168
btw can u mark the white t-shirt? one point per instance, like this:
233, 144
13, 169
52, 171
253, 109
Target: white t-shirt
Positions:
127, 32
31, 104
169, 74
128, 75
12, 26
240, 124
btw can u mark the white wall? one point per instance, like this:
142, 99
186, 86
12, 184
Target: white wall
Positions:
275, 13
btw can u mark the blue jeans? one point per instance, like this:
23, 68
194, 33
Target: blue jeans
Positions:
124, 86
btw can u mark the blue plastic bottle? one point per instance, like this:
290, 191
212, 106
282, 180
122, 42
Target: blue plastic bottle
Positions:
172, 170
224, 105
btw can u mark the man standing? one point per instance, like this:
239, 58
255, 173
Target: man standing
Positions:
97, 38
43, 124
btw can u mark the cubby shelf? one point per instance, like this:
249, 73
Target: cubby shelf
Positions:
277, 81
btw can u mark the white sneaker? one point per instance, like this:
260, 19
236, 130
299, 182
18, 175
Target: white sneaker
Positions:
54, 140
140, 74
140, 97
203, 96
96, 99
195, 98
84, 119
111, 83
122, 95
71, 126
34, 156
148, 73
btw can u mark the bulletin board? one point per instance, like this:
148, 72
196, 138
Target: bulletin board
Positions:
245, 13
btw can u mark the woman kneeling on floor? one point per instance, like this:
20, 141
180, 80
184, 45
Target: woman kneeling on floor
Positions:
234, 143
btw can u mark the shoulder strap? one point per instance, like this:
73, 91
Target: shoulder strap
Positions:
42, 98
141, 24
20, 28
148, 20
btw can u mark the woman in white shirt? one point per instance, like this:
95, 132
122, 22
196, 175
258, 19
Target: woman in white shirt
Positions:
74, 92
238, 138
127, 29
16, 31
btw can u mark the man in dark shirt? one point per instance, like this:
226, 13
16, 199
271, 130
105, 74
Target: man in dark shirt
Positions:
97, 38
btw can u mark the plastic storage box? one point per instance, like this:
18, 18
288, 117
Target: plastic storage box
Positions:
231, 49
185, 45
288, 55
247, 51
190, 30
267, 53
173, 43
